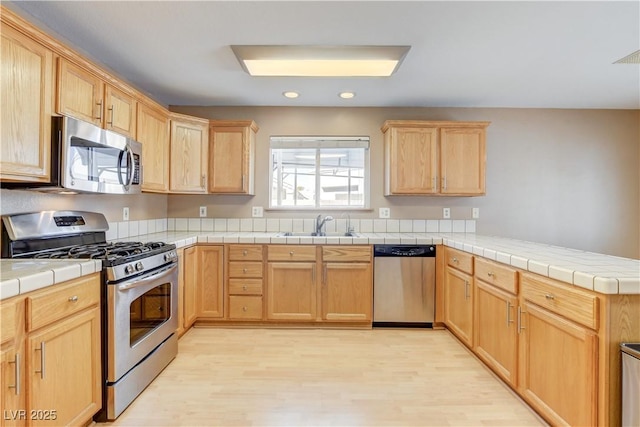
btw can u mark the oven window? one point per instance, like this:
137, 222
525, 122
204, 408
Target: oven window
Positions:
149, 311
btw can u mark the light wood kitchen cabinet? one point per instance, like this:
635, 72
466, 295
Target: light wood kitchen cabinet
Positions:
85, 96
181, 329
347, 283
231, 156
458, 295
495, 311
189, 149
27, 99
190, 279
210, 284
559, 355
291, 282
12, 363
153, 134
434, 157
245, 282
64, 353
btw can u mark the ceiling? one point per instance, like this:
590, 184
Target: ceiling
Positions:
540, 54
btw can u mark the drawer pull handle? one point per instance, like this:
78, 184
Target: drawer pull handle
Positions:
16, 361
110, 123
490, 274
244, 270
520, 312
73, 298
454, 259
42, 357
466, 289
244, 252
549, 296
244, 287
291, 253
509, 314
244, 308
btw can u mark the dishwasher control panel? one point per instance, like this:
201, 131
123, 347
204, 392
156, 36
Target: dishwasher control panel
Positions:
404, 250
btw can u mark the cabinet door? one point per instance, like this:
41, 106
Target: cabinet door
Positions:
458, 308
64, 370
229, 159
210, 282
181, 329
153, 134
80, 93
291, 291
12, 398
190, 277
558, 374
462, 161
26, 87
347, 291
120, 112
412, 160
189, 147
496, 336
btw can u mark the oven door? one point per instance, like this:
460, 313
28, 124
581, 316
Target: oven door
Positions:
142, 313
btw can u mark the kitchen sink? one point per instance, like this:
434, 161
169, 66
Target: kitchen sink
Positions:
312, 234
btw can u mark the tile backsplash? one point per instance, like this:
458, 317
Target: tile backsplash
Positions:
126, 229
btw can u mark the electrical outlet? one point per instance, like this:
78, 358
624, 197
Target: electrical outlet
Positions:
475, 213
125, 214
203, 211
257, 211
446, 213
384, 213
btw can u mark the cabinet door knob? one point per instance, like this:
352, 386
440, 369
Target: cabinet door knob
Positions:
244, 287
291, 253
490, 274
244, 308
244, 270
73, 298
549, 296
454, 259
244, 252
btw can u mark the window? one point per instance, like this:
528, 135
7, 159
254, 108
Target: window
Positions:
319, 172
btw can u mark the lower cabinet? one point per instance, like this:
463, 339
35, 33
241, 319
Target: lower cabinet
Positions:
210, 281
51, 364
458, 308
347, 291
291, 291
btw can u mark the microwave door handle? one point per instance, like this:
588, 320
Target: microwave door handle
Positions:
132, 166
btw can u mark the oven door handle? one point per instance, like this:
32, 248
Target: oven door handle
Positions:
136, 282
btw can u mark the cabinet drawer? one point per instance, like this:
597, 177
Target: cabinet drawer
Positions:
8, 320
346, 253
462, 261
245, 286
291, 253
574, 304
245, 253
496, 274
245, 307
245, 269
45, 307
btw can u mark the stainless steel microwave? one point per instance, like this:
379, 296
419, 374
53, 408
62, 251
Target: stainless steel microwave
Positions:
89, 159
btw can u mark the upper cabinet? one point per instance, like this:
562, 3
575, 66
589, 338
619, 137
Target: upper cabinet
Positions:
153, 134
189, 148
231, 156
27, 98
85, 96
440, 158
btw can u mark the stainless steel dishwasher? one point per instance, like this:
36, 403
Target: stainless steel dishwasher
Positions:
404, 282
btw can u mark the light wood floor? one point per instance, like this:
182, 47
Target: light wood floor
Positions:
309, 377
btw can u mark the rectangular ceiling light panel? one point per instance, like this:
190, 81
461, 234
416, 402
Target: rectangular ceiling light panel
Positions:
320, 61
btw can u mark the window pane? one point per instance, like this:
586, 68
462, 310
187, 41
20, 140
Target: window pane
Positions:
338, 168
294, 177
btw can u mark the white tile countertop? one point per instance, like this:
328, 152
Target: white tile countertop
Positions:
597, 272
26, 275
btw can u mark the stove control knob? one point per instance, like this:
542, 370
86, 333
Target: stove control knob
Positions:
128, 269
169, 256
139, 266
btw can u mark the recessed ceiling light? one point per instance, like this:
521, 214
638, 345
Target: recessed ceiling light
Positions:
291, 94
320, 61
346, 95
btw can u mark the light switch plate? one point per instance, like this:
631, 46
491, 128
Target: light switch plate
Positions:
475, 213
384, 213
446, 213
203, 211
257, 211
125, 214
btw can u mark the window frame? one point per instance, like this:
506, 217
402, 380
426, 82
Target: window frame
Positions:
320, 142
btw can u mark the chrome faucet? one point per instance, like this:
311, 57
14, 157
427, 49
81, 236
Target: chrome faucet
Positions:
320, 223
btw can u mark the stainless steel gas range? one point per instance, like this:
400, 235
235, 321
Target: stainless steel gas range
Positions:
139, 294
